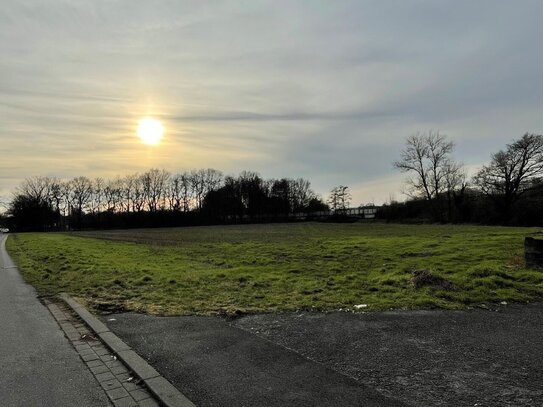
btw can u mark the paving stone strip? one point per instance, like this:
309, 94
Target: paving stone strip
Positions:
121, 385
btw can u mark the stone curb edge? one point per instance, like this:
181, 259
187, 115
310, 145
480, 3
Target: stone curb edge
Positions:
165, 392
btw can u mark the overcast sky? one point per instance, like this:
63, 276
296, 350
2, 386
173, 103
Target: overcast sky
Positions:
326, 90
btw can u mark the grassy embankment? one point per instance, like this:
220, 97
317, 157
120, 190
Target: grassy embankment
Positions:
256, 268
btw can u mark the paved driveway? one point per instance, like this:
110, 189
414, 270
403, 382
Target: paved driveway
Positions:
491, 358
483, 358
216, 364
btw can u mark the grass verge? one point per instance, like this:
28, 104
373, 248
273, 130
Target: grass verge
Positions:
261, 268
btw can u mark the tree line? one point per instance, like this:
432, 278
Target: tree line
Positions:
507, 190
158, 198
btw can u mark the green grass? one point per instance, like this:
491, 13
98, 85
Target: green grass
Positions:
260, 268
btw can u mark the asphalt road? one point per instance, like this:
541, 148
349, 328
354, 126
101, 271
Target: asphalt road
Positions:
38, 367
483, 358
216, 364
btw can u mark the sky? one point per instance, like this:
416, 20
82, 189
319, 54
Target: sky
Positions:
325, 90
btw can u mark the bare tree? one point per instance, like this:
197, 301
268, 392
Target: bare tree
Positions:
128, 186
113, 194
212, 180
97, 199
197, 183
46, 189
455, 185
186, 191
340, 197
174, 192
427, 158
37, 188
56, 195
194, 186
67, 196
80, 193
251, 192
513, 170
301, 193
138, 194
154, 185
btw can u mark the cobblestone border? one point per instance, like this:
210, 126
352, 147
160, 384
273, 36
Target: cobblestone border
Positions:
119, 383
128, 379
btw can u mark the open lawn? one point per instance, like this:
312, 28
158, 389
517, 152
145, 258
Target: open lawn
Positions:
273, 267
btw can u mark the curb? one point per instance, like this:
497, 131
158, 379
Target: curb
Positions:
161, 388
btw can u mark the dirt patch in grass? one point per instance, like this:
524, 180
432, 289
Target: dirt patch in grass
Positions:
417, 254
425, 278
106, 308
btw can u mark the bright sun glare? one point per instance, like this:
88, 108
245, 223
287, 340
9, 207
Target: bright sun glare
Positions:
150, 131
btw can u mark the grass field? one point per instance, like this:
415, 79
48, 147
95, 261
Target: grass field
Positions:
260, 268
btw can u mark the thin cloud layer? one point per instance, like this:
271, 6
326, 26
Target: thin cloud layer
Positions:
324, 90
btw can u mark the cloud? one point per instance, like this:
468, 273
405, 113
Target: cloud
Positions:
324, 90
270, 117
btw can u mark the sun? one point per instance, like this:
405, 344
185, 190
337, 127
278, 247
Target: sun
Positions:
150, 131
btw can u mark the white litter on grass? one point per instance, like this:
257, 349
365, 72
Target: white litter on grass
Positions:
361, 306
112, 319
503, 303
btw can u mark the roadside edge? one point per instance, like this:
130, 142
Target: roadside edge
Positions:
161, 388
